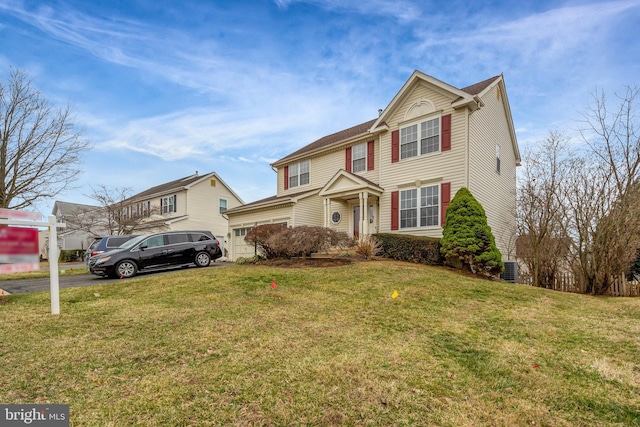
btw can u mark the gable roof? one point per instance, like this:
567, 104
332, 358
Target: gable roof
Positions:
72, 209
325, 141
466, 95
178, 185
354, 184
477, 88
272, 201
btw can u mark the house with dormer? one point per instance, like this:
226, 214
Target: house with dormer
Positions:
397, 173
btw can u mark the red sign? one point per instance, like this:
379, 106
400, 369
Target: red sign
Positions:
18, 245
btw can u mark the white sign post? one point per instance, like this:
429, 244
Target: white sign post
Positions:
32, 219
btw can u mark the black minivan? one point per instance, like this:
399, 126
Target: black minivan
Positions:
157, 250
106, 244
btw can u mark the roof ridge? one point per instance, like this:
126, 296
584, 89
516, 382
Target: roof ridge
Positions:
476, 88
333, 138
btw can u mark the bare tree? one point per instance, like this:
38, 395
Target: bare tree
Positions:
542, 243
603, 195
86, 218
40, 146
121, 215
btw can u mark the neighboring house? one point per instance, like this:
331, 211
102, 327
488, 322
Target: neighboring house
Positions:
397, 173
80, 230
196, 202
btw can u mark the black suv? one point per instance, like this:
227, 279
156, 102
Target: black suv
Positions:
158, 250
106, 244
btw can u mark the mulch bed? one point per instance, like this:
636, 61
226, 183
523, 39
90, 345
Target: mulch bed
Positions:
308, 262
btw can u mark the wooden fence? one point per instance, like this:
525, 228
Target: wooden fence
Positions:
567, 282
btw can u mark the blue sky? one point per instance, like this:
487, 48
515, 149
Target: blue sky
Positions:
165, 88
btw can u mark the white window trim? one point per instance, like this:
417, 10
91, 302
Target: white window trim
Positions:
353, 157
168, 205
226, 205
298, 164
419, 133
419, 207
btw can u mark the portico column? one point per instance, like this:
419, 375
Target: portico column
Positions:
327, 211
365, 214
361, 216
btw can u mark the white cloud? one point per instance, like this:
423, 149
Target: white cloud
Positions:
401, 10
547, 35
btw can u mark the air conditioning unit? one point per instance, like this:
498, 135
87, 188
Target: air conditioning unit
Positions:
510, 273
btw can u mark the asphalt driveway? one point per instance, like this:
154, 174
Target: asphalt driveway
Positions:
24, 286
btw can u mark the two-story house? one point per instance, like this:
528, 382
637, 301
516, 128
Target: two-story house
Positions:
82, 226
195, 202
398, 172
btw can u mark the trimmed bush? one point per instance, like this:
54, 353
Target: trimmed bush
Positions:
250, 260
467, 241
71, 255
418, 249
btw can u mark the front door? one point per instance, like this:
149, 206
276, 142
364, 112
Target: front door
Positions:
356, 222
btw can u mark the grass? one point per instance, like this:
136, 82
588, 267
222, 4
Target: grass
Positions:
62, 271
326, 346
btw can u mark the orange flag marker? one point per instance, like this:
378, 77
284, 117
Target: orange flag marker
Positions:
273, 285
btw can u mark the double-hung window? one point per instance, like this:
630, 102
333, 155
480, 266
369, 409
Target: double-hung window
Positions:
420, 207
408, 211
169, 204
299, 174
146, 209
429, 206
421, 138
222, 205
359, 157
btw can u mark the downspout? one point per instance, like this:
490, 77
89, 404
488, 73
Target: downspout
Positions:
467, 150
469, 111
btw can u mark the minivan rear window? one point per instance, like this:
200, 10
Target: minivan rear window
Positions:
114, 242
178, 238
199, 237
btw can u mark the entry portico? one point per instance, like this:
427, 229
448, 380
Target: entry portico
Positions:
354, 195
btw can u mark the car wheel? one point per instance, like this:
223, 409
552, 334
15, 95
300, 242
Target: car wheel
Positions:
126, 269
202, 259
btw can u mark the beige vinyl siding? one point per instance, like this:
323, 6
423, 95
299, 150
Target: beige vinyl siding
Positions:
429, 169
495, 191
323, 167
441, 101
181, 204
203, 200
308, 211
373, 175
346, 220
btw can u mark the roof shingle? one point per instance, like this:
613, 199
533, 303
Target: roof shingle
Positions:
173, 185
